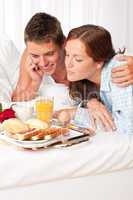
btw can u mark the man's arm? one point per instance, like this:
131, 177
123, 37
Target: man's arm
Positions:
123, 75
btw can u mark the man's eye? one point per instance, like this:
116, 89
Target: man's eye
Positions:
34, 56
51, 53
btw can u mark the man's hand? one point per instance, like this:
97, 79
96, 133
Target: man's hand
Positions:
100, 114
123, 75
35, 72
30, 72
30, 78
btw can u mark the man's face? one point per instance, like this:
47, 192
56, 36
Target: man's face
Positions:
46, 55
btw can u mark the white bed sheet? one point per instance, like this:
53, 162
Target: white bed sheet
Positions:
108, 186
105, 153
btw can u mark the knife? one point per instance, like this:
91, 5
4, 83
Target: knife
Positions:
70, 141
86, 131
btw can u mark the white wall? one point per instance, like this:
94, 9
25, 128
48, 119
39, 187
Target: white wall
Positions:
114, 15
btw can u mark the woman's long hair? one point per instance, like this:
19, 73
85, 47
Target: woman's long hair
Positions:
98, 44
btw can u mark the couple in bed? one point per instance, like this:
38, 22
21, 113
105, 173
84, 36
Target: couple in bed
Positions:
85, 62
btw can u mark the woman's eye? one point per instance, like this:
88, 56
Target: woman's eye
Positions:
79, 60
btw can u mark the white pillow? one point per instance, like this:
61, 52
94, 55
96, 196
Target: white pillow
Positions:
9, 59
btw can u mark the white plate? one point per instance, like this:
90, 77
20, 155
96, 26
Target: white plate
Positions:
39, 143
28, 144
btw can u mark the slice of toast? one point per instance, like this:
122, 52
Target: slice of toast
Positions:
50, 133
35, 134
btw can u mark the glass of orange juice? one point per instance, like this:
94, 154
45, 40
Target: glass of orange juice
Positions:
44, 109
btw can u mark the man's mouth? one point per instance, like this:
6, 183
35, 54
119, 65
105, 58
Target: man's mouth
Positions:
48, 67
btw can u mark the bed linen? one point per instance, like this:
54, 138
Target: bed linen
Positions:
105, 153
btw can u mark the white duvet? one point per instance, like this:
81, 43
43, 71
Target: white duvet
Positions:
106, 152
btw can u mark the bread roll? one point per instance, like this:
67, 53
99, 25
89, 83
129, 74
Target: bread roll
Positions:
36, 123
14, 126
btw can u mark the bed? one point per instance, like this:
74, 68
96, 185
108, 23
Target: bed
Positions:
99, 169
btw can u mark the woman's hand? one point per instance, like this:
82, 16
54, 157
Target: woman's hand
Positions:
123, 75
99, 113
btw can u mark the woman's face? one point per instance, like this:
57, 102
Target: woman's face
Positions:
78, 64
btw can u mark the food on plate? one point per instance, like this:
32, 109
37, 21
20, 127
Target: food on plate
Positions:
50, 133
36, 134
7, 114
34, 129
14, 126
36, 123
26, 135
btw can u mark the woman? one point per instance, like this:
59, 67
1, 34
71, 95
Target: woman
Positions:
90, 57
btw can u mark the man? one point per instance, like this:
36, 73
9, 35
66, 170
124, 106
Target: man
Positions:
44, 55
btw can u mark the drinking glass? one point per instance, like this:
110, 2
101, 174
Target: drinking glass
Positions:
44, 108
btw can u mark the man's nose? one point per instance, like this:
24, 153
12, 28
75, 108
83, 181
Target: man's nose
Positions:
43, 61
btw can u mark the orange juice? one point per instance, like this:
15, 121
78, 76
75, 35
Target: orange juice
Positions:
44, 109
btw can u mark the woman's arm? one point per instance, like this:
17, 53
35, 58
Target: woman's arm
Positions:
122, 76
99, 113
122, 108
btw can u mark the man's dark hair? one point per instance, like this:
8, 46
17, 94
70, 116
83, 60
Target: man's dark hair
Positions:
43, 27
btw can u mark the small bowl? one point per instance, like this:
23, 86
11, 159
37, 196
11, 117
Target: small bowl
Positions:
23, 110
